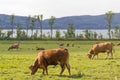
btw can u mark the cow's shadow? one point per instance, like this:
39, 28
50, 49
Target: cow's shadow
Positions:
74, 76
107, 59
116, 58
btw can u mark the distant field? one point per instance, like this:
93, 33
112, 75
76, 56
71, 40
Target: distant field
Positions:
14, 64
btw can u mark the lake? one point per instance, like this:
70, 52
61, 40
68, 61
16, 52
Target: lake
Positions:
77, 32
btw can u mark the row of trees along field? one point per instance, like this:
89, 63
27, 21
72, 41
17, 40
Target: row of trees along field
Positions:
69, 34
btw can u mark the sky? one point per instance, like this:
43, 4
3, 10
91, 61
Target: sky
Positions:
58, 8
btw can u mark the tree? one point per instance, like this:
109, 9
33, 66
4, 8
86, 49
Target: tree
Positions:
95, 35
40, 19
51, 22
1, 28
2, 35
58, 34
12, 23
18, 31
28, 19
70, 31
88, 34
65, 34
116, 32
9, 33
35, 36
109, 16
32, 25
100, 36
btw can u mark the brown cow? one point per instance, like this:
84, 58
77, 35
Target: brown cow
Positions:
67, 44
61, 44
14, 46
101, 47
118, 44
51, 57
40, 48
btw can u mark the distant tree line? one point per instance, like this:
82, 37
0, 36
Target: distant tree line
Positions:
69, 34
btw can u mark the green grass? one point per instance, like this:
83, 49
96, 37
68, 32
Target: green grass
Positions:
14, 64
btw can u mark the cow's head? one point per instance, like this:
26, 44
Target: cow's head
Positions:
33, 69
90, 54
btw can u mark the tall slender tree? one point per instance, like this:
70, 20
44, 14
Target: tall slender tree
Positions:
12, 23
109, 17
28, 19
71, 31
18, 33
32, 25
40, 20
51, 22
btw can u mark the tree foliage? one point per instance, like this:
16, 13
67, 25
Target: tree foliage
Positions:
51, 22
109, 17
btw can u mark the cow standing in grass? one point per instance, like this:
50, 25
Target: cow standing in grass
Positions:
51, 57
101, 48
40, 48
60, 44
14, 46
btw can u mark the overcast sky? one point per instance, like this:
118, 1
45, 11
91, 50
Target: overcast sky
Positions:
58, 8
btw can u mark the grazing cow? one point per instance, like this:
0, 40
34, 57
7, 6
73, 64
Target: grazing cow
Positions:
14, 46
101, 47
118, 44
67, 44
38, 48
61, 44
51, 57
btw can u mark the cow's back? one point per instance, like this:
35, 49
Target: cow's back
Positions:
102, 47
54, 56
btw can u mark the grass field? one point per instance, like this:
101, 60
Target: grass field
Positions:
14, 64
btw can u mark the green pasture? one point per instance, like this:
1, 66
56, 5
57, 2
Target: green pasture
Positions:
14, 63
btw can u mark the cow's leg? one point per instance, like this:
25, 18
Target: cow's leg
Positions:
93, 56
62, 68
97, 56
107, 55
111, 55
43, 71
46, 70
68, 67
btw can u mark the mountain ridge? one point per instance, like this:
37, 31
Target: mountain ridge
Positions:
79, 22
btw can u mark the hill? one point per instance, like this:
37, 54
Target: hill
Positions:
80, 22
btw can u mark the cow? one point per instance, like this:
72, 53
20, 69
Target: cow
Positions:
118, 44
14, 46
101, 48
40, 48
67, 44
51, 57
61, 44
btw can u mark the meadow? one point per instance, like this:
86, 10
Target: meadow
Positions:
14, 63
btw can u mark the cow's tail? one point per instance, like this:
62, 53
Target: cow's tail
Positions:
67, 62
66, 51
